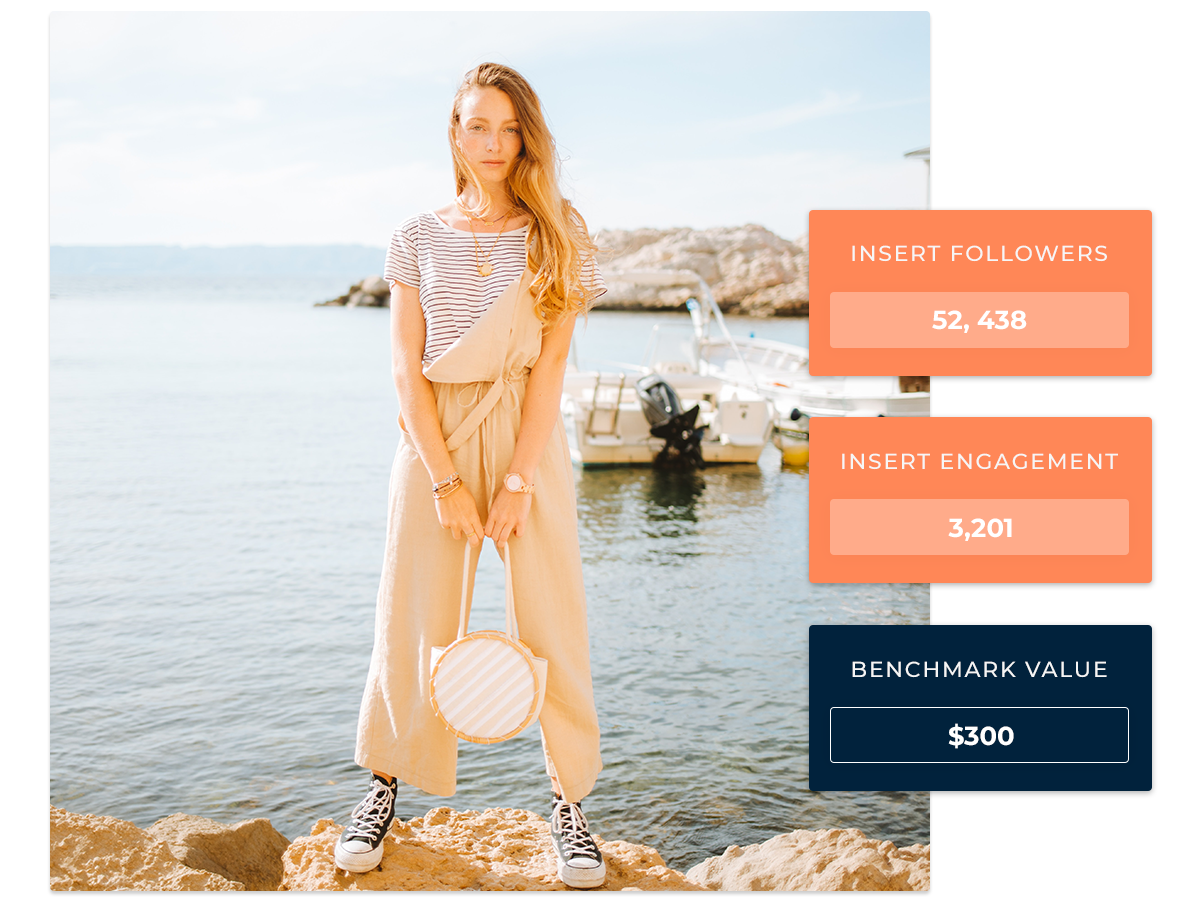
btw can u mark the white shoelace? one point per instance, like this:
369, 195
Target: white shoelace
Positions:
573, 826
369, 816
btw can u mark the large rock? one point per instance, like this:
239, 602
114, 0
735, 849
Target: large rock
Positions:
833, 860
371, 291
498, 849
249, 852
750, 270
100, 853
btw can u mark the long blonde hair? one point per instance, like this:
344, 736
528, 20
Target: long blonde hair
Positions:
557, 243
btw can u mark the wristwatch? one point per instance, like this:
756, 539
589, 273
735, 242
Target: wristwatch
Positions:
516, 484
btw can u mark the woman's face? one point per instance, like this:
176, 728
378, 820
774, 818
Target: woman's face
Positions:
489, 135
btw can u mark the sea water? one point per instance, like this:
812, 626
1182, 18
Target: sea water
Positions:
219, 460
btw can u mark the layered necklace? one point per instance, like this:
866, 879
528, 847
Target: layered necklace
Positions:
483, 265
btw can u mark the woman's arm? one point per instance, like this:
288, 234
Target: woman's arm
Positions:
539, 412
418, 412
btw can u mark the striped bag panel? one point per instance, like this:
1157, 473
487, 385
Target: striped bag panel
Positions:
487, 686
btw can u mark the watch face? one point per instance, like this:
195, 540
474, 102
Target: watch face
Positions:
513, 483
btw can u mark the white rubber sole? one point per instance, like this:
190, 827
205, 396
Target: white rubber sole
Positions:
582, 878
357, 863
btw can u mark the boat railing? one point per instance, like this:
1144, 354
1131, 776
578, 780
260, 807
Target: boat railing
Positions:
656, 360
757, 363
605, 412
818, 402
621, 366
703, 310
765, 352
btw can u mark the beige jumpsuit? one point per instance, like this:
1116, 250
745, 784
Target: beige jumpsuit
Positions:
479, 385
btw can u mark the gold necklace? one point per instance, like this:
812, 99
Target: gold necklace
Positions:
485, 268
470, 215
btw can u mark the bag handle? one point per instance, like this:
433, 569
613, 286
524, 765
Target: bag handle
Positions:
510, 609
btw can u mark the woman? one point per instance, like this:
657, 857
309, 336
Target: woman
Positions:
484, 297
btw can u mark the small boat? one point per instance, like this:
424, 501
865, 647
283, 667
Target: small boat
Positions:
607, 424
662, 412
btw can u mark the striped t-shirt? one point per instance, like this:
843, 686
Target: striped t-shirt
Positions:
440, 262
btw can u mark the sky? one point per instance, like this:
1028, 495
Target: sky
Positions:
315, 128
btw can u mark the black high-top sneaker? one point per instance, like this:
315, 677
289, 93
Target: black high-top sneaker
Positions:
580, 864
360, 847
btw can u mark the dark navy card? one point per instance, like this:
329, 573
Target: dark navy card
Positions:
980, 707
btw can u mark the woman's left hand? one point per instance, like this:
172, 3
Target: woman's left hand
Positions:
507, 516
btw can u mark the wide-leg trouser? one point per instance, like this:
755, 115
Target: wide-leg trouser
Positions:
418, 605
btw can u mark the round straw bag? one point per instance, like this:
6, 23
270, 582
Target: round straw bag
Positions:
487, 685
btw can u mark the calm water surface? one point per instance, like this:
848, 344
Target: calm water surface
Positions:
220, 453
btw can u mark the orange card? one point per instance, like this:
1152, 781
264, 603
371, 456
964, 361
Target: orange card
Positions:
979, 500
972, 292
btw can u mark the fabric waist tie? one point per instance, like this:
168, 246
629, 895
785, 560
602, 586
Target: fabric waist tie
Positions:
476, 416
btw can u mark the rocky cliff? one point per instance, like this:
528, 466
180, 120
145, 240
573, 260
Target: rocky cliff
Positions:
750, 270
498, 849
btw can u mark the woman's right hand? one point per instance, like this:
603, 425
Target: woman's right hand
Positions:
457, 511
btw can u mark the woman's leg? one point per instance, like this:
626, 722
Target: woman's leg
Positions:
550, 770
552, 618
360, 847
417, 609
580, 863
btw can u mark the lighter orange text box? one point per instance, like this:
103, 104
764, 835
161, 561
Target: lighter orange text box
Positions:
1017, 527
1062, 319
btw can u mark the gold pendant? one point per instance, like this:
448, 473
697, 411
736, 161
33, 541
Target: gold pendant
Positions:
486, 269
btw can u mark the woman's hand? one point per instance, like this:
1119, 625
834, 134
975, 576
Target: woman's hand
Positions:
507, 516
457, 511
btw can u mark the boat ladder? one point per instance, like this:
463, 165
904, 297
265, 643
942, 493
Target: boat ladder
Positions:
606, 407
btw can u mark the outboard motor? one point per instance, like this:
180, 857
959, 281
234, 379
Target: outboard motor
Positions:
664, 412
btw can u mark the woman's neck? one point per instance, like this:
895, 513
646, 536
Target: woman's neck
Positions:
486, 204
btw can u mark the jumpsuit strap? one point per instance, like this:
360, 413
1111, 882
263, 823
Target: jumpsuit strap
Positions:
476, 416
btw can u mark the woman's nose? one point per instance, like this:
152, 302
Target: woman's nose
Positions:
493, 141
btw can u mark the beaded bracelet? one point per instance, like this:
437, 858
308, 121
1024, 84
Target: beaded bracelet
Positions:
446, 492
454, 476
447, 486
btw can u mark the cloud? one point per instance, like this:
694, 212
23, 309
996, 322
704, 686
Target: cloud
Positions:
832, 103
776, 190
107, 192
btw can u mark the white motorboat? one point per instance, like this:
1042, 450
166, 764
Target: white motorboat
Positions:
607, 420
607, 425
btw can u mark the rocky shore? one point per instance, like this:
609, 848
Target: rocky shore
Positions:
750, 270
498, 849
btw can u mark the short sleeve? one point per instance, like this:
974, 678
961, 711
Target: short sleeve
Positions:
593, 281
401, 263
